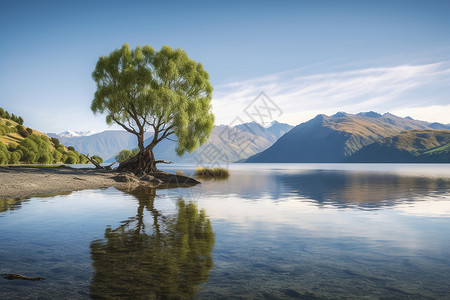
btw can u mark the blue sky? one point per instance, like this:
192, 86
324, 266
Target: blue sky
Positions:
309, 57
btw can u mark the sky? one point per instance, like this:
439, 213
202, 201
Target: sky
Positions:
308, 57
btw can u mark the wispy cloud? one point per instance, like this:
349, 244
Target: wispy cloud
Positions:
381, 89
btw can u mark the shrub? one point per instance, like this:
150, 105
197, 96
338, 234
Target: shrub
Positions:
97, 159
71, 148
126, 154
2, 113
22, 131
30, 131
60, 148
4, 154
3, 158
45, 158
4, 130
14, 158
56, 156
82, 159
20, 120
216, 172
72, 157
8, 123
55, 141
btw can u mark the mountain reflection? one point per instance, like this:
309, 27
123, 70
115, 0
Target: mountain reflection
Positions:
168, 260
371, 190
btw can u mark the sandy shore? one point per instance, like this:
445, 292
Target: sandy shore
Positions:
21, 181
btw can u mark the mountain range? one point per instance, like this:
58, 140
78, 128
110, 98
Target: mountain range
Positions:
227, 144
336, 138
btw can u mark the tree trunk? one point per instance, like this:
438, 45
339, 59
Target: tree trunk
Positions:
143, 163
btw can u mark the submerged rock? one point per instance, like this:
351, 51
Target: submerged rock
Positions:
167, 178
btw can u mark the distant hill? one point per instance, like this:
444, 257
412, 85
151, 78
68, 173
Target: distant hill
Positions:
408, 146
337, 137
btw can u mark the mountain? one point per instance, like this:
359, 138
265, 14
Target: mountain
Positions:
71, 133
106, 144
226, 144
232, 143
335, 138
407, 146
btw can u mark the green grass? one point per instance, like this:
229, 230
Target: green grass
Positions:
442, 148
212, 173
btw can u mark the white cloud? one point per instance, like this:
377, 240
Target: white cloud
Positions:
301, 96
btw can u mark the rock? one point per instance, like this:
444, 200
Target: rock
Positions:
18, 276
179, 180
150, 179
125, 178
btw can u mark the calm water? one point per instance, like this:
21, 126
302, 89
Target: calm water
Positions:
281, 231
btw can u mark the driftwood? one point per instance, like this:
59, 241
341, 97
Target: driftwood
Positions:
97, 165
18, 276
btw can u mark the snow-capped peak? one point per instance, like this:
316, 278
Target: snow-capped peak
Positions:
269, 124
72, 133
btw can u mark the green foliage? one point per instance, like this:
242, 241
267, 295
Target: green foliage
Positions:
164, 90
97, 159
215, 173
60, 148
14, 157
30, 131
72, 157
4, 154
6, 115
4, 130
71, 148
82, 159
57, 156
55, 141
126, 154
22, 131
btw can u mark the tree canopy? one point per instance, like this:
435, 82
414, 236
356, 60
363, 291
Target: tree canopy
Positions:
163, 91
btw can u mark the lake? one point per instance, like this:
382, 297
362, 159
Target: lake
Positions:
270, 231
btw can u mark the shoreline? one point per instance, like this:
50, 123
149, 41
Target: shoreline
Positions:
30, 181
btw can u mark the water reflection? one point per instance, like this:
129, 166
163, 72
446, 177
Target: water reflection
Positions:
9, 204
370, 190
167, 257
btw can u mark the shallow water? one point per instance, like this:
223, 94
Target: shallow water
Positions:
281, 231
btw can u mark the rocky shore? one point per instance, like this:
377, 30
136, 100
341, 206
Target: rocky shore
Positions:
26, 181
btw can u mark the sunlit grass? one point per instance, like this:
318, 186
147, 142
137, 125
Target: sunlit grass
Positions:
212, 173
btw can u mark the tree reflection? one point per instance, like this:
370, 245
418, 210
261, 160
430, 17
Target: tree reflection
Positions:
168, 260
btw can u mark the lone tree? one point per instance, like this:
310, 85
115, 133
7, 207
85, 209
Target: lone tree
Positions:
164, 91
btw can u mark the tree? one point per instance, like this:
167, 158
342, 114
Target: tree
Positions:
165, 91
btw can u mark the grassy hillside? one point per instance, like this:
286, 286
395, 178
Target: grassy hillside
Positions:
408, 146
21, 144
